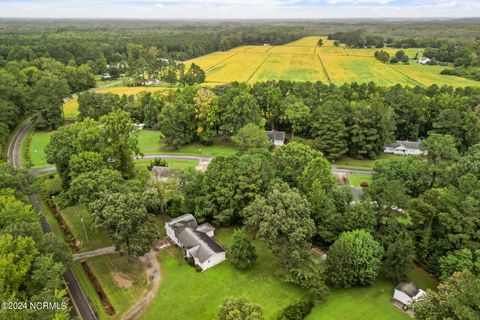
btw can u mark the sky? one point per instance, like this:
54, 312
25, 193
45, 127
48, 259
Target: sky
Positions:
240, 9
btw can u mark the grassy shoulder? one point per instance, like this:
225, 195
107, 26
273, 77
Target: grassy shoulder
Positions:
356, 179
360, 164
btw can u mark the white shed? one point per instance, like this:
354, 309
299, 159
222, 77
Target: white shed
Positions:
406, 293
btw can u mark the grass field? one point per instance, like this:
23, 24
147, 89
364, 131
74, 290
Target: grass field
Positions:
133, 90
109, 270
206, 291
70, 109
366, 164
149, 143
174, 163
296, 61
356, 179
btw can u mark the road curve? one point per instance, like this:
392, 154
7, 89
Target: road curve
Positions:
77, 296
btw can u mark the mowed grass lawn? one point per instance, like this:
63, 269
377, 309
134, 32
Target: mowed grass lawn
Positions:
148, 141
356, 179
124, 282
361, 164
40, 139
187, 294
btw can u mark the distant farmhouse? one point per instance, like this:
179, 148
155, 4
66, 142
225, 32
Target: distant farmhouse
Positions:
424, 60
404, 148
277, 138
197, 241
406, 293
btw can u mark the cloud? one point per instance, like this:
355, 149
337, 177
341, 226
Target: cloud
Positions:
237, 9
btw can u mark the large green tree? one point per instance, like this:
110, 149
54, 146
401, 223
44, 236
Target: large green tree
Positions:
240, 308
354, 259
242, 253
125, 219
291, 159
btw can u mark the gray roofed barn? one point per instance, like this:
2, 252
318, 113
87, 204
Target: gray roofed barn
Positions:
406, 293
162, 173
277, 138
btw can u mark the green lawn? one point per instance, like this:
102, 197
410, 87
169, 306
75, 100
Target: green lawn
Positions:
40, 139
124, 282
149, 143
364, 303
361, 164
356, 179
72, 216
187, 294
422, 279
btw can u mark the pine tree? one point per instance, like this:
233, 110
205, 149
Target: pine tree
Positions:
399, 258
242, 253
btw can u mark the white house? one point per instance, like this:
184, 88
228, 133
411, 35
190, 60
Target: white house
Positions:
406, 293
197, 241
424, 60
277, 138
404, 148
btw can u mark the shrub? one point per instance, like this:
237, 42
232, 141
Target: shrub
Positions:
297, 311
157, 162
364, 184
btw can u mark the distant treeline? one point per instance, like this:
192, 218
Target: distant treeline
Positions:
99, 45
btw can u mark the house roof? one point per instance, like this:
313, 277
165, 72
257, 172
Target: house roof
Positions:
276, 135
406, 144
409, 288
205, 227
193, 237
162, 172
357, 193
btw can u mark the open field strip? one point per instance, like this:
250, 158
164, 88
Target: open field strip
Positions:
305, 42
239, 67
346, 69
258, 49
428, 75
292, 49
331, 51
290, 67
210, 60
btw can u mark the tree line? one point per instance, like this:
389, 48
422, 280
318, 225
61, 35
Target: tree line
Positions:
37, 89
352, 119
32, 262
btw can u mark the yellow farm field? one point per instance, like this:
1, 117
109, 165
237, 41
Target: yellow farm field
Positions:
239, 67
291, 67
331, 51
342, 69
292, 49
208, 61
70, 109
429, 75
305, 42
251, 49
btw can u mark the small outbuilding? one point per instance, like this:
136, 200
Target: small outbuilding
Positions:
277, 138
406, 293
404, 148
162, 173
424, 60
197, 241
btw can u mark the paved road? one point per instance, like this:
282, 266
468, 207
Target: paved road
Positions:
201, 159
77, 296
351, 171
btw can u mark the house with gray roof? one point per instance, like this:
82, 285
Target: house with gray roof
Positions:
277, 138
404, 148
406, 293
162, 173
196, 240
